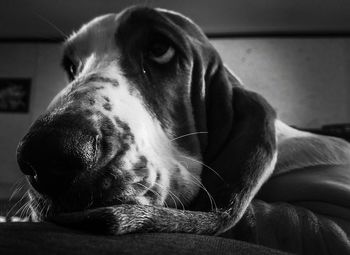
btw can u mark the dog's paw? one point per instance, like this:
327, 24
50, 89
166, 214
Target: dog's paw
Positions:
115, 220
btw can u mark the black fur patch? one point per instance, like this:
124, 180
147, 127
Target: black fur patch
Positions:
91, 101
124, 138
107, 106
152, 195
125, 127
141, 164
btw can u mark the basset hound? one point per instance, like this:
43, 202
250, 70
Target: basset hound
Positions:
153, 133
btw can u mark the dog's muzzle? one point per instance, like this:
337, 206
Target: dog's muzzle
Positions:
57, 150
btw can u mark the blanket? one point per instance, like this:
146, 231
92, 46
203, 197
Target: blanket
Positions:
314, 217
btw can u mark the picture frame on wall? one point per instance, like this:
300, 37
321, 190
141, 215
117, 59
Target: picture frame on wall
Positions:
14, 95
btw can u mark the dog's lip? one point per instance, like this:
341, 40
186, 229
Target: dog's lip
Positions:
145, 183
56, 208
142, 186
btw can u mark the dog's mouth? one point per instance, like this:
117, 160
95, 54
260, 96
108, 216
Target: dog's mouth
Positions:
74, 169
110, 190
109, 185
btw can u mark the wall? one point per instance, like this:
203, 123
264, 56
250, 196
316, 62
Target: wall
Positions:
41, 63
306, 80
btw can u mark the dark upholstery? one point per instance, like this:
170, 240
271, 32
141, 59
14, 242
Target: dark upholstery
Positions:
45, 238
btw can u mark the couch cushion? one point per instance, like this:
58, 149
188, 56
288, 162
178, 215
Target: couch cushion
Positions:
46, 238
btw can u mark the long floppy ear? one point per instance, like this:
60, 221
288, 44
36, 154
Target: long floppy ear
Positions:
241, 144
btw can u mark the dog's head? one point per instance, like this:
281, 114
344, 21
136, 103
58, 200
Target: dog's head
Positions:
120, 131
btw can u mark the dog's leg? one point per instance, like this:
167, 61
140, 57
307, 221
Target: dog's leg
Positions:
124, 219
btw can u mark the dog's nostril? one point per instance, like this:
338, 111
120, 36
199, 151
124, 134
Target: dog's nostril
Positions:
106, 183
26, 168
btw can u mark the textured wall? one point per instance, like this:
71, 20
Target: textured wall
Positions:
307, 80
16, 61
41, 64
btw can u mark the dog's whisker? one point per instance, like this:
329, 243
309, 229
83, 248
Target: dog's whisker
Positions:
31, 206
18, 181
201, 186
14, 206
189, 134
17, 187
210, 197
19, 211
175, 196
24, 211
182, 205
171, 195
29, 210
151, 190
197, 182
205, 165
34, 208
16, 191
162, 187
60, 31
43, 209
47, 209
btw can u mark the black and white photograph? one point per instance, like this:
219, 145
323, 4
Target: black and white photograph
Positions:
174, 127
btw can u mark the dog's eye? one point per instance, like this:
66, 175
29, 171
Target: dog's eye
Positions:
72, 70
161, 52
70, 67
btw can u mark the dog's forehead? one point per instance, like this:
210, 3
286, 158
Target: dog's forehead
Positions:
94, 34
101, 31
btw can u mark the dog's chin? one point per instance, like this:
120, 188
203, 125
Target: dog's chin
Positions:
43, 207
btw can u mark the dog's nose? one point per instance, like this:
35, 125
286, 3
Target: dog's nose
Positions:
55, 152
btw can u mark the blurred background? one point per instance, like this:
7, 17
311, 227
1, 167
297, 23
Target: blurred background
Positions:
295, 53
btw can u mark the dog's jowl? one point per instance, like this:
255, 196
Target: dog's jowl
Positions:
154, 133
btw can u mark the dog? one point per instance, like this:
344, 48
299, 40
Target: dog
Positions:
153, 133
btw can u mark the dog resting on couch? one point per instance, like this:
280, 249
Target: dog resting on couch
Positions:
154, 134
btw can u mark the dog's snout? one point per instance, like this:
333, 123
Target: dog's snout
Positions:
55, 152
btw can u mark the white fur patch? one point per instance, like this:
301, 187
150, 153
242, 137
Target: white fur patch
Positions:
151, 140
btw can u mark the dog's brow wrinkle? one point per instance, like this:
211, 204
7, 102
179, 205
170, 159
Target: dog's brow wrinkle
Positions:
95, 78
